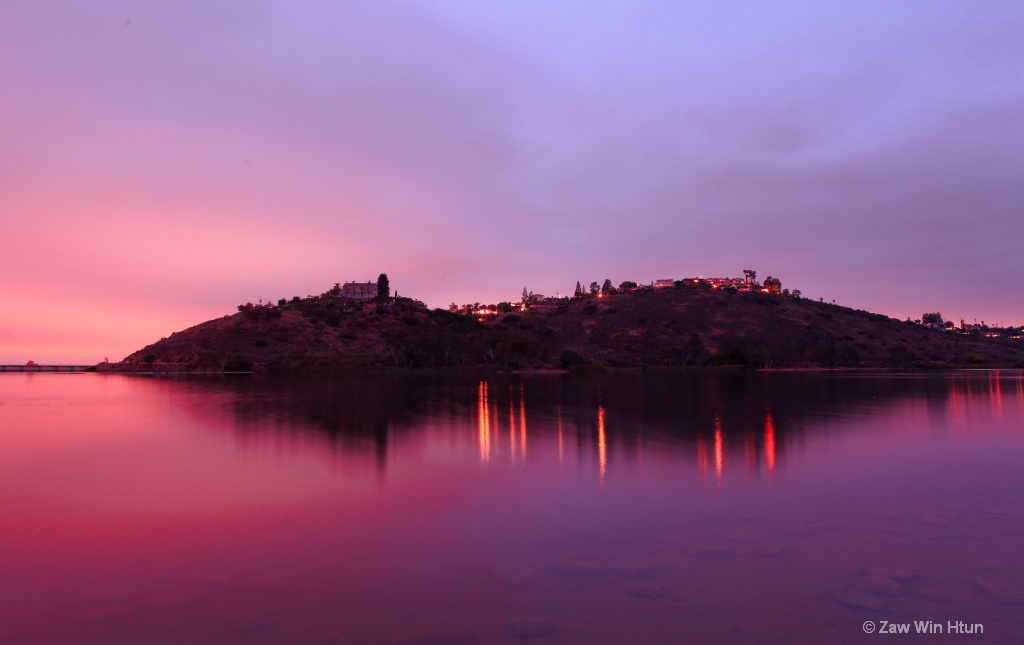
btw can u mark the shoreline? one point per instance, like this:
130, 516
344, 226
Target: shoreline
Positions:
545, 371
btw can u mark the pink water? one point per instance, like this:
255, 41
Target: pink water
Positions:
626, 508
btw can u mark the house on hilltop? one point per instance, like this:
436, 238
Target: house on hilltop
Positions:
359, 290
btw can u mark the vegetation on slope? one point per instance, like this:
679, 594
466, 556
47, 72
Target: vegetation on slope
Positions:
679, 326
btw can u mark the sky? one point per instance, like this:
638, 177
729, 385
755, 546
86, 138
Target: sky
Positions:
162, 162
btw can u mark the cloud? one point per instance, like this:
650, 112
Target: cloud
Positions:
223, 150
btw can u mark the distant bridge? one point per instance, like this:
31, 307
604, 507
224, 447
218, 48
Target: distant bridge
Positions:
45, 368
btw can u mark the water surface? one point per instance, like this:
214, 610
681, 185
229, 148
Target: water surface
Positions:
620, 508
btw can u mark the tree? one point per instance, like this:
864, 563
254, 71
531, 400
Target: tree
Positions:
750, 276
931, 319
796, 293
606, 288
627, 285
579, 290
594, 288
774, 285
383, 287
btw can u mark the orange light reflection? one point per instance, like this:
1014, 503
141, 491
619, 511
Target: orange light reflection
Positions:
561, 441
511, 426
522, 421
602, 455
996, 390
484, 423
769, 442
719, 458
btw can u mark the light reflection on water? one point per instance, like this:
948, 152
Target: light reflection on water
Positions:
656, 508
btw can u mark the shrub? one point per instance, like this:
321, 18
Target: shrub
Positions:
570, 358
237, 364
900, 356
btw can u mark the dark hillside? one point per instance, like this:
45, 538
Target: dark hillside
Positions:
676, 326
689, 325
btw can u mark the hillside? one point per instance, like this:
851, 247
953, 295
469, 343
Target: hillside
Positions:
682, 325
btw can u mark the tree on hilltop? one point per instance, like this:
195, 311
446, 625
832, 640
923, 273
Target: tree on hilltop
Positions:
383, 287
606, 288
579, 290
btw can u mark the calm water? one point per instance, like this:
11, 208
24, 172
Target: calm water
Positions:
628, 508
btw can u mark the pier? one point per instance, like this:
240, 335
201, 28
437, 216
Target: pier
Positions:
46, 368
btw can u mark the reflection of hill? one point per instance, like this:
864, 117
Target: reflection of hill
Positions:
699, 415
755, 415
356, 413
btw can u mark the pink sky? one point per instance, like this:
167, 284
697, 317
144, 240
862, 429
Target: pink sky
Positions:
163, 162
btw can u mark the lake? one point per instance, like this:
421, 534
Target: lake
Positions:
424, 509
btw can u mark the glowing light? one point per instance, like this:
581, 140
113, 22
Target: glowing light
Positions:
522, 421
602, 447
769, 442
561, 442
511, 425
484, 423
995, 386
719, 457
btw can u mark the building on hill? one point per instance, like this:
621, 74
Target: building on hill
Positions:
359, 290
547, 305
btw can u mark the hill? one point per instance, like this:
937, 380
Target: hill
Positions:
674, 326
